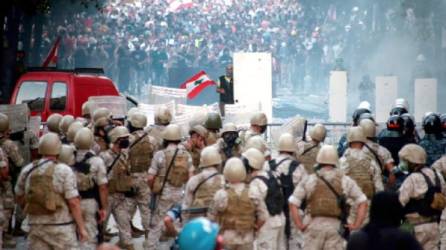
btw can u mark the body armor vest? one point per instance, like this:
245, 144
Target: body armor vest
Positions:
323, 202
211, 138
195, 153
179, 172
308, 157
204, 194
239, 214
41, 198
140, 154
121, 180
86, 185
358, 170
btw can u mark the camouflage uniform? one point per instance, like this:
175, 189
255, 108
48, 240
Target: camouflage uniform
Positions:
90, 206
434, 148
119, 205
57, 230
322, 232
195, 154
156, 131
307, 155
272, 234
99, 145
413, 187
440, 167
236, 151
3, 164
233, 239
170, 195
384, 155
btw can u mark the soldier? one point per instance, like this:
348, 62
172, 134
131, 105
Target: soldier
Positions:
4, 177
86, 113
440, 167
392, 137
167, 175
52, 123
432, 140
265, 185
47, 191
195, 143
401, 106
239, 214
201, 188
163, 117
422, 195
141, 152
213, 124
91, 176
359, 165
229, 143
324, 192
259, 143
65, 123
409, 130
120, 183
72, 130
259, 123
291, 173
308, 154
101, 126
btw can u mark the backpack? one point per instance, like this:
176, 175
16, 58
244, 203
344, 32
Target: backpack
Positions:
275, 201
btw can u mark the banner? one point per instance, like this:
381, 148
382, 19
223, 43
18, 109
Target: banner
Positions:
150, 109
240, 113
161, 95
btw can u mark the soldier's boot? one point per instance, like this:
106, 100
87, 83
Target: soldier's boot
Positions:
9, 241
145, 243
136, 232
125, 246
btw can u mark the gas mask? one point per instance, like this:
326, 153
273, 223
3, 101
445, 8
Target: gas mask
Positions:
124, 143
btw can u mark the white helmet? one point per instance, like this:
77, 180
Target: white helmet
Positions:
234, 170
287, 143
255, 158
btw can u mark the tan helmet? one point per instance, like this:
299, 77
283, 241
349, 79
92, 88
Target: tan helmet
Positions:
4, 123
368, 127
101, 117
65, 123
66, 155
229, 127
259, 119
87, 108
138, 120
234, 170
413, 153
172, 133
256, 142
200, 130
132, 111
356, 134
53, 122
210, 157
198, 118
84, 139
50, 144
118, 132
72, 130
255, 158
163, 116
287, 143
327, 155
318, 133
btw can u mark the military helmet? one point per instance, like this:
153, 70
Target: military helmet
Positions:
400, 105
259, 119
443, 122
287, 143
101, 117
72, 130
66, 155
256, 142
117, 133
356, 134
413, 153
132, 111
408, 123
318, 133
365, 105
53, 122
198, 118
87, 108
209, 157
200, 130
172, 133
255, 158
163, 116
84, 139
432, 123
234, 170
4, 123
368, 127
50, 144
327, 155
65, 123
366, 116
213, 121
357, 113
395, 123
138, 120
229, 127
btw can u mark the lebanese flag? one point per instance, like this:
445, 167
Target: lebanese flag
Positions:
51, 58
196, 84
178, 5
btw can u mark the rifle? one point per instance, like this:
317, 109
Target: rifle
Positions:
101, 230
195, 210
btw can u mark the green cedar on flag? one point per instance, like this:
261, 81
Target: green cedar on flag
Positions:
196, 84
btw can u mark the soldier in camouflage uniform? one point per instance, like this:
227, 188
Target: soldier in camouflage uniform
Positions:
120, 183
163, 117
359, 165
213, 124
412, 195
168, 173
196, 143
47, 191
259, 123
307, 155
201, 188
63, 127
440, 167
86, 113
229, 143
432, 141
142, 148
52, 123
101, 126
259, 143
4, 177
239, 213
321, 227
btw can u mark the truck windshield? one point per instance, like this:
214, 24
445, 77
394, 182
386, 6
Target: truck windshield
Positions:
33, 94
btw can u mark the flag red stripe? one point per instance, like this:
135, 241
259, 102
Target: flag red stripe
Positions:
199, 88
52, 55
192, 79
